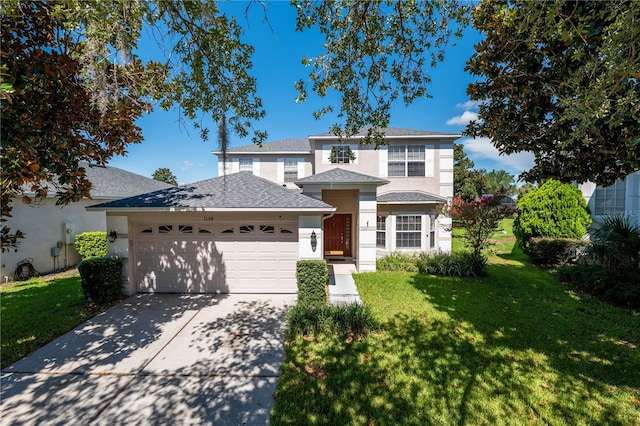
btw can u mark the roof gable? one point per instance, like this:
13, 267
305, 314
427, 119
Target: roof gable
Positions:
240, 190
339, 175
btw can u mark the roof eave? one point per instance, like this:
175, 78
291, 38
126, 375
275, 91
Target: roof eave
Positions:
219, 153
212, 209
412, 202
437, 136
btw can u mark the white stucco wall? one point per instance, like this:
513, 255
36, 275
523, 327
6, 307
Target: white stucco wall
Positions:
43, 226
367, 232
308, 225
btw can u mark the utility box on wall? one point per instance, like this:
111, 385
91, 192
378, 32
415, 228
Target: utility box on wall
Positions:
69, 234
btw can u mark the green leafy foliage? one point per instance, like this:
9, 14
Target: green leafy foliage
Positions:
480, 219
560, 79
555, 210
398, 261
312, 277
92, 244
101, 279
164, 174
556, 251
354, 319
458, 264
613, 285
375, 53
616, 243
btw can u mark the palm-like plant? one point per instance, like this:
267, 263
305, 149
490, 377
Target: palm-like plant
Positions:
616, 243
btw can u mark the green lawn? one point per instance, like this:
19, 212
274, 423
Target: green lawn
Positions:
34, 312
514, 347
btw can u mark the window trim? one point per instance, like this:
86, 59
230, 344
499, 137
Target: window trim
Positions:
426, 163
603, 194
381, 231
415, 232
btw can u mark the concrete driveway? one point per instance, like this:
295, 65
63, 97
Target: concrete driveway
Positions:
156, 359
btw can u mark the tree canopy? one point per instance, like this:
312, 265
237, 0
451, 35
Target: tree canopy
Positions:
560, 79
72, 83
164, 174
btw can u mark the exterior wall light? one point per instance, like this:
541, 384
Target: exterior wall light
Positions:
314, 241
113, 236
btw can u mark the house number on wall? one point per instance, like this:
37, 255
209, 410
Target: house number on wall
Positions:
208, 218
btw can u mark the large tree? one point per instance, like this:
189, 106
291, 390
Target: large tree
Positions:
72, 68
560, 79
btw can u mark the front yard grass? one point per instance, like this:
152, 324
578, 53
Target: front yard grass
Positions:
514, 347
34, 312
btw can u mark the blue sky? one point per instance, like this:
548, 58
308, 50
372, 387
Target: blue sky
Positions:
277, 66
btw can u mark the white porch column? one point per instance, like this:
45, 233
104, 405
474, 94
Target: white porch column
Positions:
367, 232
120, 248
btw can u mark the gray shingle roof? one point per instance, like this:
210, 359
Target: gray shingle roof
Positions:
285, 145
396, 131
410, 197
339, 175
240, 190
112, 183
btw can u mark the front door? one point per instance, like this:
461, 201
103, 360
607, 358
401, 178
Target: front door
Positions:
337, 235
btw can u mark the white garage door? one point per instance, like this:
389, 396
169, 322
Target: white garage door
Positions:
223, 257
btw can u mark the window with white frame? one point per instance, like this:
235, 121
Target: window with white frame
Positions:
245, 165
409, 231
290, 169
341, 154
407, 161
610, 200
381, 232
432, 231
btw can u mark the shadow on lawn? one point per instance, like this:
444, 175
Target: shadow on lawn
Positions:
535, 334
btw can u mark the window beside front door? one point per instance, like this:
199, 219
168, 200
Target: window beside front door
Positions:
381, 232
409, 161
611, 200
290, 169
245, 165
409, 231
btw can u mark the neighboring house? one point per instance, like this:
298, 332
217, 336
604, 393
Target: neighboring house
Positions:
621, 198
50, 227
315, 198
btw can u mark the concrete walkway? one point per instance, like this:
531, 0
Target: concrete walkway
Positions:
154, 360
342, 287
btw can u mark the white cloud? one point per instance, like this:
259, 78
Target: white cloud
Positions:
469, 105
186, 165
483, 149
463, 119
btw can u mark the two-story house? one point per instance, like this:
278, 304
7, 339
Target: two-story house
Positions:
271, 205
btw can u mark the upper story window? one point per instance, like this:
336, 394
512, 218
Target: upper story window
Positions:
290, 169
341, 154
245, 165
407, 160
611, 200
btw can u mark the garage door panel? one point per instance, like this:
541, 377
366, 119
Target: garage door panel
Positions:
196, 263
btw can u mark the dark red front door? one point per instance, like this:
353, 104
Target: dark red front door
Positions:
337, 235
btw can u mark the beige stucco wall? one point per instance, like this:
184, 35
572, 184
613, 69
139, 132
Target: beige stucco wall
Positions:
269, 166
373, 162
43, 225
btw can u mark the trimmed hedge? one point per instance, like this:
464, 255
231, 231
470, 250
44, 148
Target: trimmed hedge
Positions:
101, 278
556, 251
92, 244
312, 277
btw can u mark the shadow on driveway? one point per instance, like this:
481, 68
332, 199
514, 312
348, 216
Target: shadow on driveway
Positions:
156, 359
